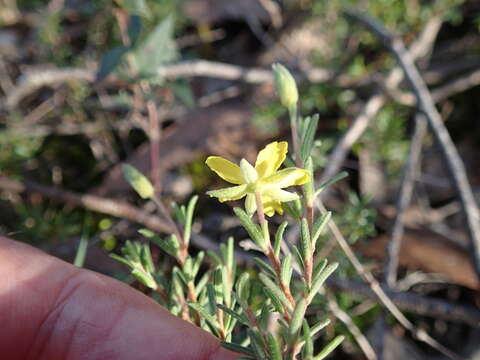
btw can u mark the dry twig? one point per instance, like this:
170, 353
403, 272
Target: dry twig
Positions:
34, 80
361, 339
419, 48
404, 199
447, 147
95, 203
366, 275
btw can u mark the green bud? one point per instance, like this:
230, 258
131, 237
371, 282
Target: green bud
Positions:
138, 182
286, 86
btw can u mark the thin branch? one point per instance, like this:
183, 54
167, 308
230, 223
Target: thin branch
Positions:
34, 80
411, 302
95, 203
351, 136
447, 147
419, 48
457, 86
361, 339
367, 276
404, 198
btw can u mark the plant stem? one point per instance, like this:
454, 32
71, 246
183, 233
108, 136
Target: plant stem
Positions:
183, 251
154, 137
292, 111
274, 260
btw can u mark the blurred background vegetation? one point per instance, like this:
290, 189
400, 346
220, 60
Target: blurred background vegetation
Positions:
79, 81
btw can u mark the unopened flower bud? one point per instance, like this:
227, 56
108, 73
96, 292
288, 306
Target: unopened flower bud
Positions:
138, 182
286, 86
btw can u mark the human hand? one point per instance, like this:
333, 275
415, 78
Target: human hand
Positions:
50, 309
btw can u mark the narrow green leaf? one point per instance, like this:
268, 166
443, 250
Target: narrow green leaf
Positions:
121, 259
275, 301
145, 278
253, 230
179, 212
319, 267
212, 304
264, 316
187, 269
218, 283
309, 187
197, 262
319, 326
240, 317
309, 137
169, 245
274, 347
202, 283
320, 279
305, 241
297, 319
286, 270
189, 218
257, 344
237, 348
302, 126
298, 257
204, 313
275, 290
279, 238
265, 267
81, 251
214, 257
226, 286
176, 285
307, 350
319, 226
243, 288
181, 275
292, 209
333, 180
146, 258
230, 254
329, 348
130, 250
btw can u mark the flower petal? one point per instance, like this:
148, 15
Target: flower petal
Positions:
270, 158
249, 173
230, 193
225, 169
280, 195
250, 204
287, 177
271, 207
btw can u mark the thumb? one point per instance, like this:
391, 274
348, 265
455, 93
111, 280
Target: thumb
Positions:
50, 309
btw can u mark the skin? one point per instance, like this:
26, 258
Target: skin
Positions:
50, 309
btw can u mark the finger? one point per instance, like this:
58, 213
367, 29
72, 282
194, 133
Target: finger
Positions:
50, 309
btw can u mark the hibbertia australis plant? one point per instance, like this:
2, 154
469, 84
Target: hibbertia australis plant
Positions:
261, 313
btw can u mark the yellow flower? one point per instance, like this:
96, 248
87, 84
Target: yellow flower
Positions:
264, 179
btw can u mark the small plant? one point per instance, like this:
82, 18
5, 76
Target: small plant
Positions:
261, 322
